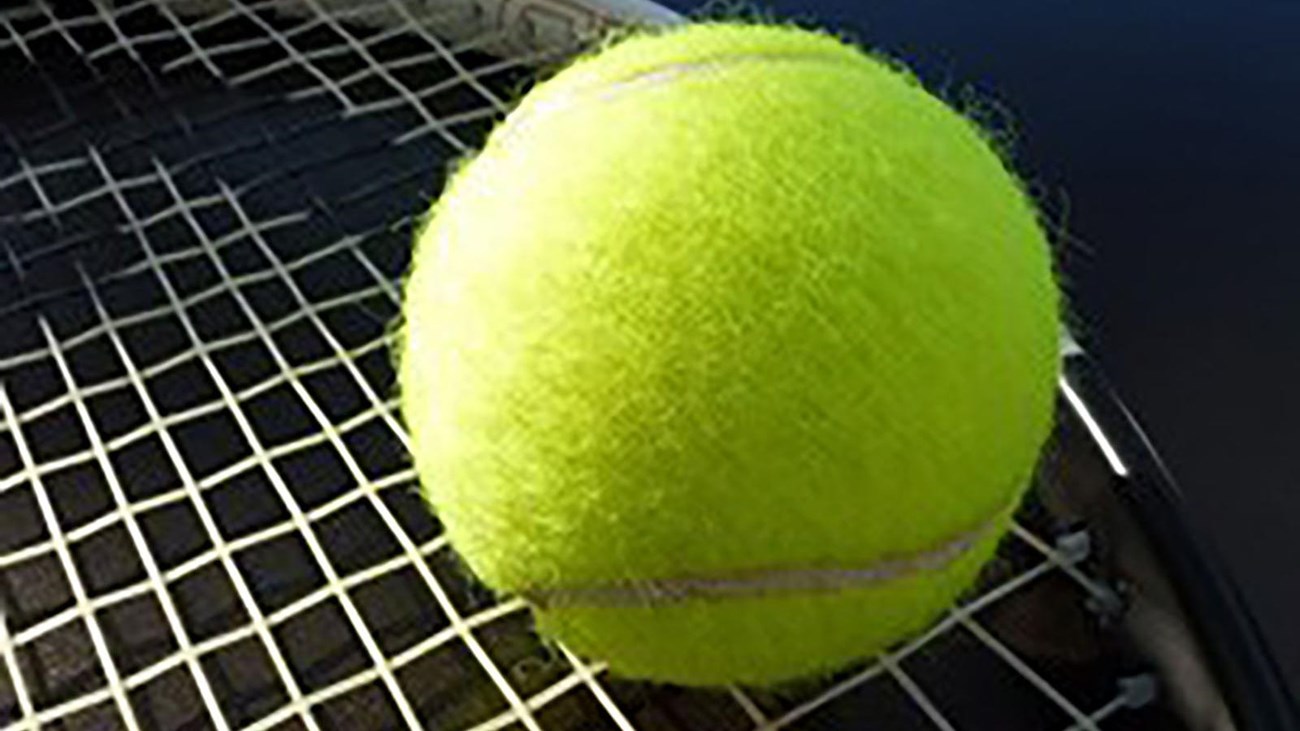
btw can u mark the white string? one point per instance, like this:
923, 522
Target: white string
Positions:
63, 551
1113, 706
588, 676
748, 705
16, 679
380, 507
184, 416
155, 584
1069, 566
164, 311
299, 519
178, 463
915, 692
1080, 719
195, 563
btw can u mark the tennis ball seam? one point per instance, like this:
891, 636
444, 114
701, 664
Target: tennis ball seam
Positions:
612, 89
759, 582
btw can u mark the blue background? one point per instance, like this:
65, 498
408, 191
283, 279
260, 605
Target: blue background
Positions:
1165, 137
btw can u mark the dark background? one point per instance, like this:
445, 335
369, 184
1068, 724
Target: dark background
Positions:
1165, 138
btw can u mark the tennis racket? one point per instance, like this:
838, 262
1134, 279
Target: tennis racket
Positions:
208, 518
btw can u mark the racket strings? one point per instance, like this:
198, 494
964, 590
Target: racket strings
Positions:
207, 516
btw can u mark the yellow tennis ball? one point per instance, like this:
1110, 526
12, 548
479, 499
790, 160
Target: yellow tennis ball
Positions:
731, 353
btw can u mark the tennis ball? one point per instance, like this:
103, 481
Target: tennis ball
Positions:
731, 353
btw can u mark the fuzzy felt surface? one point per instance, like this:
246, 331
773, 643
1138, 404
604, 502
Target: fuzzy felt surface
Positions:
729, 300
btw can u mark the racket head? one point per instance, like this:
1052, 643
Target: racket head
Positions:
207, 514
